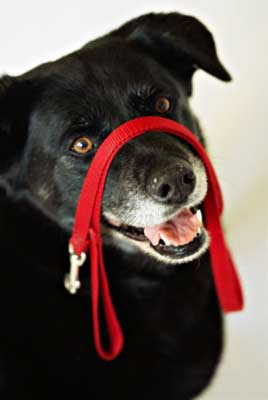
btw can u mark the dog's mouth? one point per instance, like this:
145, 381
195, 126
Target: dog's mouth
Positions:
180, 238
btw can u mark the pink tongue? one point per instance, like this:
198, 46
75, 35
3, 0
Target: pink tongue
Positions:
178, 231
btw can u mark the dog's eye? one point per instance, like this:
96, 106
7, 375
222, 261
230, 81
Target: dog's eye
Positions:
82, 145
162, 105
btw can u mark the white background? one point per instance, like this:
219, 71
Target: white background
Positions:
233, 117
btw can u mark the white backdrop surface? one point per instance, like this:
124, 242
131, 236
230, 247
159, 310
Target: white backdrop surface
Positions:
233, 117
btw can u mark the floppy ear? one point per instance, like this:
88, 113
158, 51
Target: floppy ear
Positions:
179, 42
5, 85
14, 112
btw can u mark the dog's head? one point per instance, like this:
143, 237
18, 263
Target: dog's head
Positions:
53, 119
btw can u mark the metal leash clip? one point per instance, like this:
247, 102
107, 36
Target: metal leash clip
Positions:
71, 280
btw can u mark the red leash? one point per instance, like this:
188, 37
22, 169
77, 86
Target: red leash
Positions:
87, 236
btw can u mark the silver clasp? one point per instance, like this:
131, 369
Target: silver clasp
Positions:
71, 280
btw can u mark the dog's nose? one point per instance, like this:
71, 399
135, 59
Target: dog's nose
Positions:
172, 184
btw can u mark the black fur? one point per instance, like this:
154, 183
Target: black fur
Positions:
170, 315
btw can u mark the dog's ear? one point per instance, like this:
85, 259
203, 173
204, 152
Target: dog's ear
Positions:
180, 42
6, 83
14, 112
6, 90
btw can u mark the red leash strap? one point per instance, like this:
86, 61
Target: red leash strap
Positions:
225, 276
87, 236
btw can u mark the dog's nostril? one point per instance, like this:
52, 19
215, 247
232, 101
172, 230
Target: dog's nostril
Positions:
188, 178
164, 190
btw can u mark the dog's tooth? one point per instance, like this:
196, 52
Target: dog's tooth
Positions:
199, 231
199, 216
165, 240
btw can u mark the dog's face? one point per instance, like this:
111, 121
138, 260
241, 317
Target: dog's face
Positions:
55, 117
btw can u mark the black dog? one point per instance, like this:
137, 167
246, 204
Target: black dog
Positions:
52, 120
